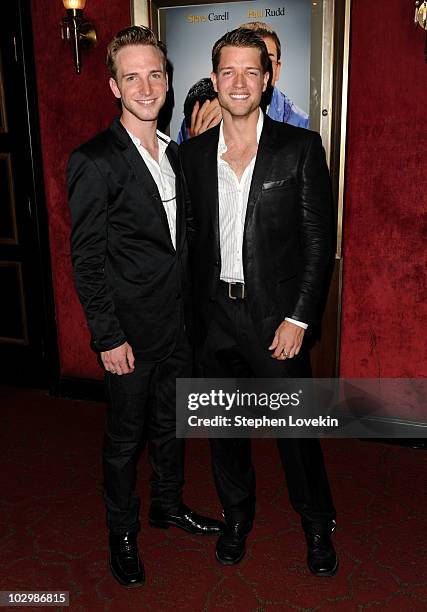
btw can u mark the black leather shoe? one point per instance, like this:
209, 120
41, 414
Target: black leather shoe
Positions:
186, 519
125, 563
230, 548
321, 556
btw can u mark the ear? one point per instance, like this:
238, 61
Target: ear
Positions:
278, 69
114, 88
213, 79
167, 81
265, 79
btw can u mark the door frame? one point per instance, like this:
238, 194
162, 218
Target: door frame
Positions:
46, 370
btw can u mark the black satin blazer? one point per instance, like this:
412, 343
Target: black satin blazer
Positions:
288, 226
130, 279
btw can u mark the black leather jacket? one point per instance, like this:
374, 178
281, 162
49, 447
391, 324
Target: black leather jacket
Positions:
287, 244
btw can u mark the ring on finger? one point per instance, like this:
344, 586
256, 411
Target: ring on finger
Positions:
285, 353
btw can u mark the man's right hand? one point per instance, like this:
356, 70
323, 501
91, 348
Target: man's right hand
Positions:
119, 360
204, 117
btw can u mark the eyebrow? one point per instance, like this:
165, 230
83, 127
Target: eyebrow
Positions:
136, 73
246, 67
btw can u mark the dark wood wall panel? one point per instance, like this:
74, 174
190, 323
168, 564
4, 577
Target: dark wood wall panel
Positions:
8, 232
13, 319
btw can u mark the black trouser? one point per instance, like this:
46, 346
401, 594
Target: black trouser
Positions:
141, 406
233, 349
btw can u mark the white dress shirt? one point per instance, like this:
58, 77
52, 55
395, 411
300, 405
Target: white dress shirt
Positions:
233, 198
163, 176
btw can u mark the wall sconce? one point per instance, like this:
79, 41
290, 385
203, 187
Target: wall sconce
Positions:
421, 19
76, 29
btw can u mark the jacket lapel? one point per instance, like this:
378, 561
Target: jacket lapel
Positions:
263, 163
144, 179
210, 178
172, 155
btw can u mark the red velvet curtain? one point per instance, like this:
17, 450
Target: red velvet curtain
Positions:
72, 108
384, 284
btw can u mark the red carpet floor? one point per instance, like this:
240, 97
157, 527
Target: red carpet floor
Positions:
53, 535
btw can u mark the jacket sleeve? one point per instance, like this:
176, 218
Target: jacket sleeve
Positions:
88, 201
315, 231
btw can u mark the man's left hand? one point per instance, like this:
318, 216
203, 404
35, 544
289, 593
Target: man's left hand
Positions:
287, 341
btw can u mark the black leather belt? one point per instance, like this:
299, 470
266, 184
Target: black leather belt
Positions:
235, 291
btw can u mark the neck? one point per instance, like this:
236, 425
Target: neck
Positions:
242, 129
144, 130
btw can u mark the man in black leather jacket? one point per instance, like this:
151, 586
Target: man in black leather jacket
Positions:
261, 234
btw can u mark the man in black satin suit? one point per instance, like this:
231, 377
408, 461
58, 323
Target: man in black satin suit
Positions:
260, 229
129, 254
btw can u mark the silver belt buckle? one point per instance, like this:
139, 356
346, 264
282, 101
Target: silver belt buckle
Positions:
232, 297
243, 291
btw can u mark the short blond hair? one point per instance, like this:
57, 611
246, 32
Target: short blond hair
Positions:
134, 35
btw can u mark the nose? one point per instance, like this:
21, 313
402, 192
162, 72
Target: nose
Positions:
240, 79
145, 86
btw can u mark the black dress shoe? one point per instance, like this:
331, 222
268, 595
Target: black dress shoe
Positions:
321, 556
186, 519
230, 548
125, 563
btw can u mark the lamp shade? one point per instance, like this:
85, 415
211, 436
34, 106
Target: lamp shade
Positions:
74, 4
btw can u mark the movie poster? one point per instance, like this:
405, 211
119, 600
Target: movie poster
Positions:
190, 32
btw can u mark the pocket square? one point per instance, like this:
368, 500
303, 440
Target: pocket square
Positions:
286, 182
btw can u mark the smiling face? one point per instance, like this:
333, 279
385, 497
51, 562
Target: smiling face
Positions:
140, 83
239, 80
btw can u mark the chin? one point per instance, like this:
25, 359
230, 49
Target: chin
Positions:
149, 115
242, 112
237, 109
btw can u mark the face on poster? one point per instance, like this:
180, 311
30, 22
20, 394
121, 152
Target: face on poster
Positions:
191, 31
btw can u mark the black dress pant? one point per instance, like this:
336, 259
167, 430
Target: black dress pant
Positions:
233, 349
141, 406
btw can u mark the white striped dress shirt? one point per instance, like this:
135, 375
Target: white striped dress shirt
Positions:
233, 201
